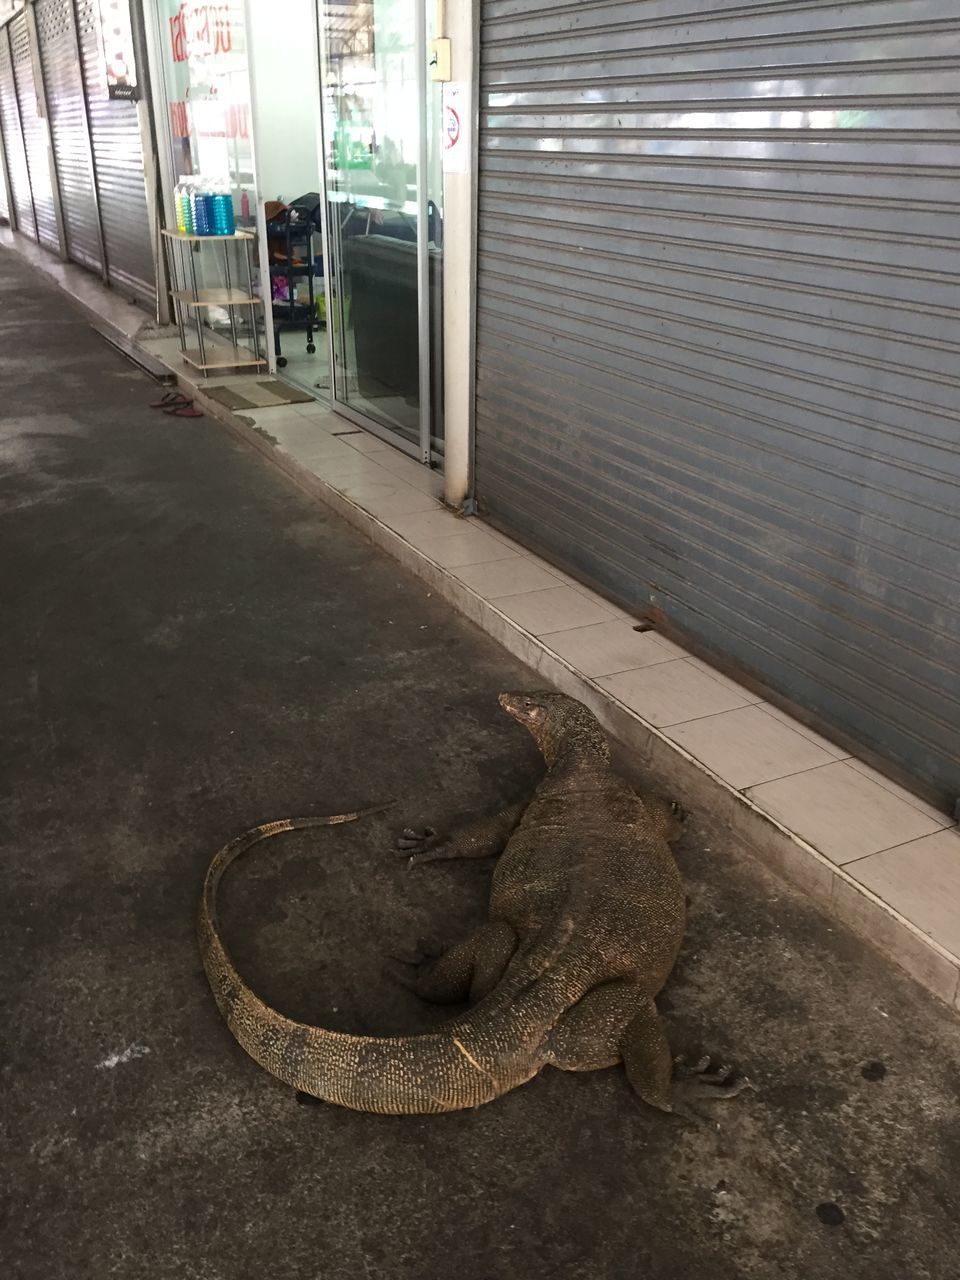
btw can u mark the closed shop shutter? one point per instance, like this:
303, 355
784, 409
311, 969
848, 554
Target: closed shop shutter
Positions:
719, 334
13, 141
118, 158
64, 91
4, 202
34, 135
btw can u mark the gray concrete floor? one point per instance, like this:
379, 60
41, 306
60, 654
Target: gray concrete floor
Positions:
191, 646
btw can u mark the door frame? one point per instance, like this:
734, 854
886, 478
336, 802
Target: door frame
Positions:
422, 449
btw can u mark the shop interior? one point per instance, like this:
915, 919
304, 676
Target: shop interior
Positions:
343, 277
355, 295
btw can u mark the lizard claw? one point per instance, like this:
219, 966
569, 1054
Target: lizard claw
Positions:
408, 967
705, 1081
410, 842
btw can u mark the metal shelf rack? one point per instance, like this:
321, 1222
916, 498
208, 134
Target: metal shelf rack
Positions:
206, 354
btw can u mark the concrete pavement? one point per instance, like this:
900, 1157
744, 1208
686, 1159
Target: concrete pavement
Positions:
190, 645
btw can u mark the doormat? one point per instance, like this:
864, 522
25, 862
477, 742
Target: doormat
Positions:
257, 395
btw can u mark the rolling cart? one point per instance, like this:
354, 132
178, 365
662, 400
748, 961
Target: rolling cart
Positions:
293, 233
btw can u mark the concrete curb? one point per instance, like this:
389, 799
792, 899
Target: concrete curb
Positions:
670, 767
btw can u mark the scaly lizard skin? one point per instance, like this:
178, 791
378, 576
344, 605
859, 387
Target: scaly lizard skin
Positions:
586, 919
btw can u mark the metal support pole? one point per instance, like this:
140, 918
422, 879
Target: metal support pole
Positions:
23, 141
226, 276
88, 141
423, 251
151, 160
253, 310
196, 310
7, 185
178, 303
40, 88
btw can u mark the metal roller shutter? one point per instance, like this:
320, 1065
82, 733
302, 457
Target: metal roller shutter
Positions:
118, 159
4, 203
719, 330
16, 156
34, 135
71, 144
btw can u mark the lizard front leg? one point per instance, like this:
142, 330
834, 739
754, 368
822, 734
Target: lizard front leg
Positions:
666, 816
484, 837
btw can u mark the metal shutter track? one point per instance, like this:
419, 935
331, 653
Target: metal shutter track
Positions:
64, 87
13, 141
118, 157
719, 330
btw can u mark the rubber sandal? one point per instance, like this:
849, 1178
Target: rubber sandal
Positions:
170, 399
183, 411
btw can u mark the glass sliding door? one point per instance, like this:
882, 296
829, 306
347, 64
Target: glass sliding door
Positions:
383, 216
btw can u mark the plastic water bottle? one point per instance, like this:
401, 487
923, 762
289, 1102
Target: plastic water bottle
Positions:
178, 204
200, 204
224, 222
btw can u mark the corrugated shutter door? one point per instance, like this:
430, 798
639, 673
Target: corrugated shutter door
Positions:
14, 136
4, 203
64, 86
34, 135
719, 330
13, 142
118, 157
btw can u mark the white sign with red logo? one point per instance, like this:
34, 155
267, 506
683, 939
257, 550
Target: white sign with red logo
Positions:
456, 127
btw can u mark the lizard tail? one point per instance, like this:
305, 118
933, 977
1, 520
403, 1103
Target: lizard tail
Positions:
471, 1060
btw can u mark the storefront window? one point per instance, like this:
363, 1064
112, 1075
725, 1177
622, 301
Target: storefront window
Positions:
209, 94
207, 88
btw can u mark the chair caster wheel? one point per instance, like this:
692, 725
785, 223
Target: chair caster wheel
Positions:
311, 349
281, 362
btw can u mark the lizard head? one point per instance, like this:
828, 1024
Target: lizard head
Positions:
556, 723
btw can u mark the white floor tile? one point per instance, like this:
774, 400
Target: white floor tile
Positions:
732, 685
432, 524
944, 819
296, 435
825, 744
555, 609
355, 470
387, 501
406, 467
364, 442
508, 577
921, 880
747, 746
669, 693
843, 814
470, 546
606, 648
317, 453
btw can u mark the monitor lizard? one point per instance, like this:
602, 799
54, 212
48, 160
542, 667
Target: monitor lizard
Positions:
586, 917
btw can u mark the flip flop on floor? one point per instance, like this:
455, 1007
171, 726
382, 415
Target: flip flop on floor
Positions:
169, 400
183, 411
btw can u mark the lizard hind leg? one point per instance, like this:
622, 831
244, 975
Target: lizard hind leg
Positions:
646, 1057
650, 1069
467, 971
589, 1035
